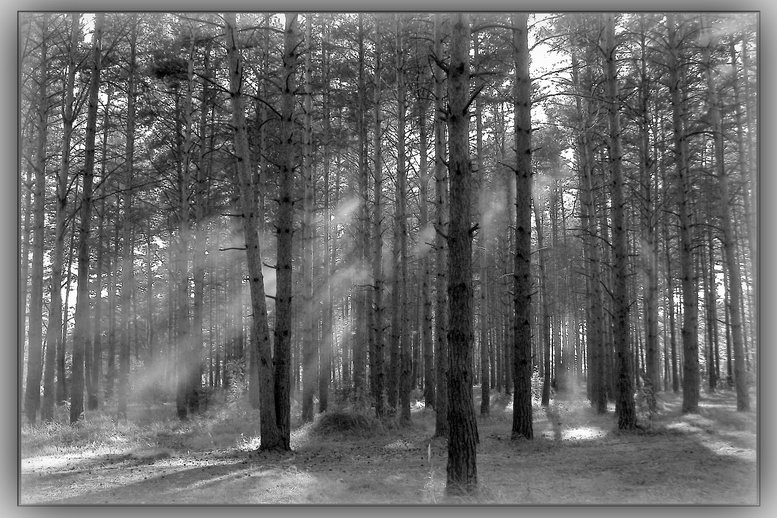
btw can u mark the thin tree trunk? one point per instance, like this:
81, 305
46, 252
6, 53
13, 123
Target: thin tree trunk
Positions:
325, 351
405, 362
309, 345
94, 356
425, 267
56, 327
200, 243
545, 322
554, 302
649, 252
35, 343
82, 314
150, 293
485, 397
128, 245
485, 380
110, 374
26, 206
734, 292
670, 292
377, 343
441, 193
710, 310
359, 296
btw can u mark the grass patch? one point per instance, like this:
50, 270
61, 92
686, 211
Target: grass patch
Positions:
345, 423
348, 456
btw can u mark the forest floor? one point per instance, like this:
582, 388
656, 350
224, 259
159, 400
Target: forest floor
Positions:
576, 458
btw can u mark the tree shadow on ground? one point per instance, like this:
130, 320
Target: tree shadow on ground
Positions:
577, 457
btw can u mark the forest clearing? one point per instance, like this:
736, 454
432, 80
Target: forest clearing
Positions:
578, 457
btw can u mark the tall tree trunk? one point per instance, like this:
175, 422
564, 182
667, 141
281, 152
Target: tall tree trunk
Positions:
325, 351
359, 296
397, 303
309, 345
441, 193
734, 292
200, 245
377, 347
401, 280
82, 314
190, 335
54, 334
648, 243
283, 317
127, 242
522, 294
462, 476
627, 419
745, 160
684, 188
260, 335
35, 347
485, 397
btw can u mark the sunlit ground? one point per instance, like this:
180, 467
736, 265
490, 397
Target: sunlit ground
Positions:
582, 433
576, 457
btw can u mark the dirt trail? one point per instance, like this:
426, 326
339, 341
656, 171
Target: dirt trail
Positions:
577, 457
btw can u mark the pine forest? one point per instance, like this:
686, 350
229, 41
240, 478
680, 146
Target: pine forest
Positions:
388, 258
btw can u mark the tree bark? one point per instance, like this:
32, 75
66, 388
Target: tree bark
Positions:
54, 334
270, 434
405, 362
82, 314
522, 295
462, 477
627, 419
485, 397
425, 262
35, 335
283, 316
127, 269
545, 304
309, 345
377, 347
441, 193
94, 356
325, 351
684, 188
734, 292
360, 300
200, 247
649, 245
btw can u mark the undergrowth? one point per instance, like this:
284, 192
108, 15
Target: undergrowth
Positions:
225, 423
